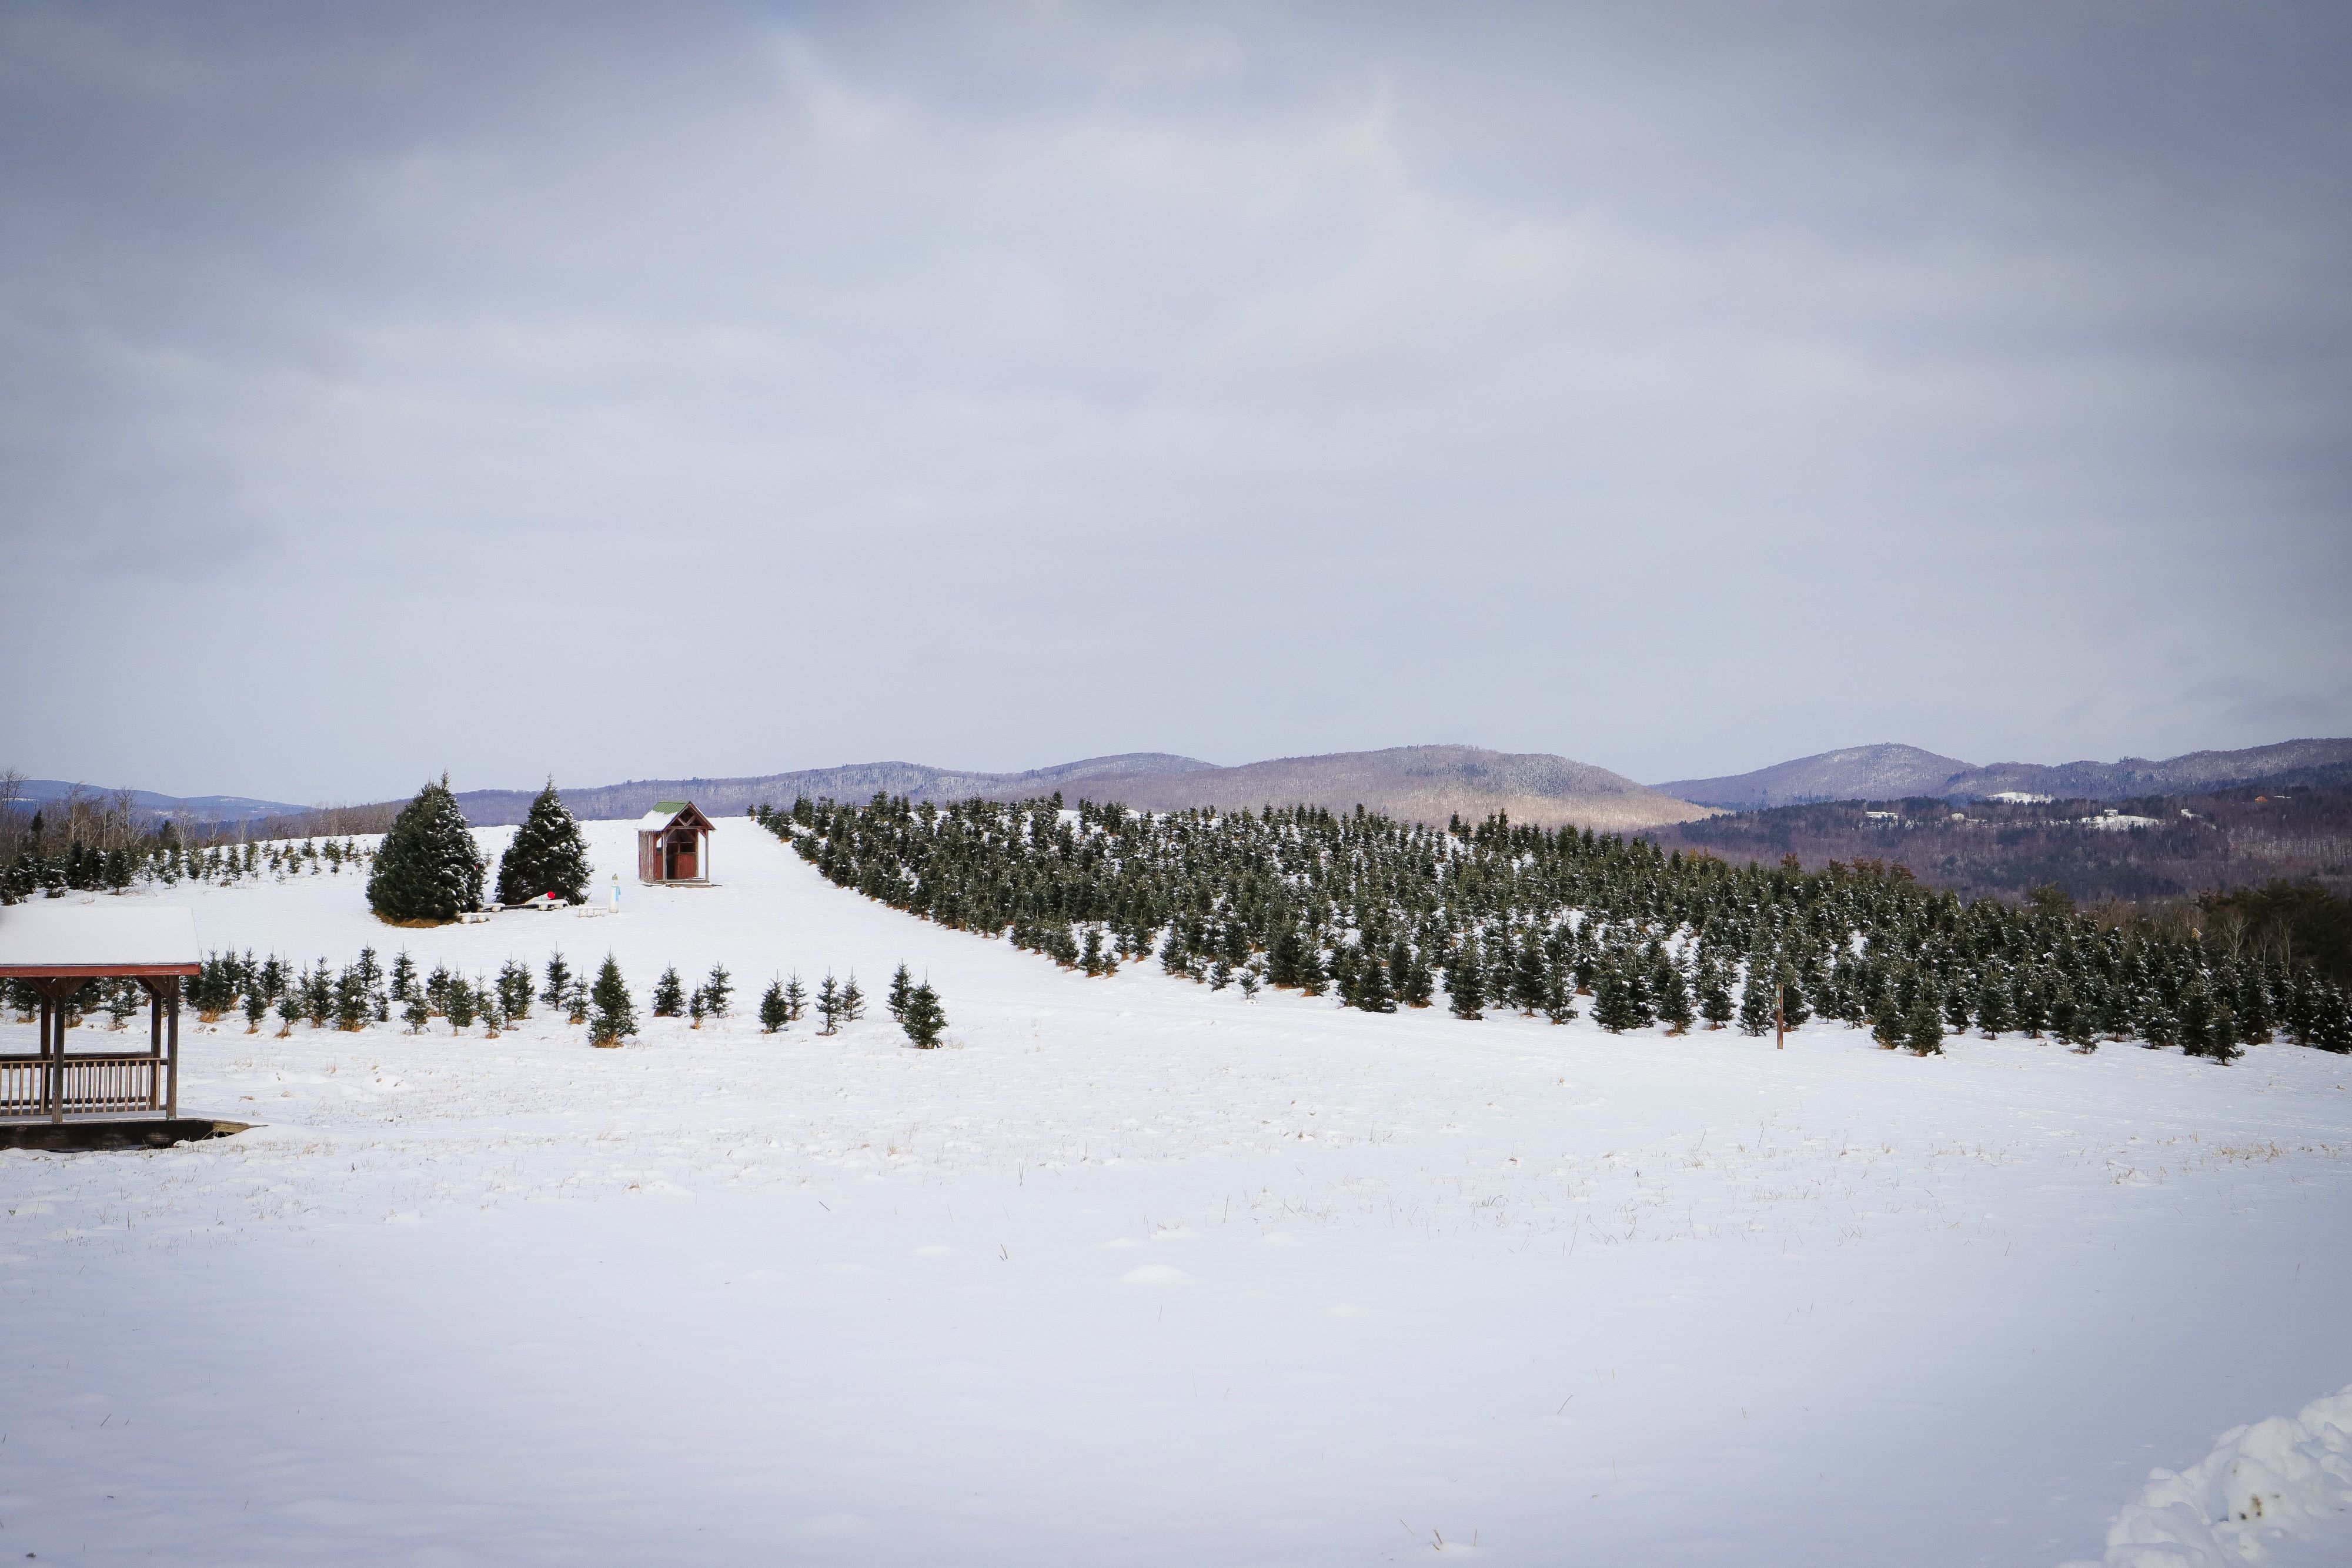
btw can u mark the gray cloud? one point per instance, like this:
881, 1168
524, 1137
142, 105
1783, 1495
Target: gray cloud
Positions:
731, 389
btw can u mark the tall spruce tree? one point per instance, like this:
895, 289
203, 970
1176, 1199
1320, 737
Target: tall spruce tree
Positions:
429, 868
547, 855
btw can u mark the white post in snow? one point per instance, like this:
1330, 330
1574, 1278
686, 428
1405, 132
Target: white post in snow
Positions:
617, 893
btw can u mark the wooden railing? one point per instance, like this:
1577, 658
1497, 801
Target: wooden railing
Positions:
114, 1080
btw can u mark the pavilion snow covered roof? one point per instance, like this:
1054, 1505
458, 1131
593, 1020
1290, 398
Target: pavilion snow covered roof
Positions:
57, 937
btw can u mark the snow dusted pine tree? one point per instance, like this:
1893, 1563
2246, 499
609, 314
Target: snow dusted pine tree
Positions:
428, 868
922, 1018
547, 855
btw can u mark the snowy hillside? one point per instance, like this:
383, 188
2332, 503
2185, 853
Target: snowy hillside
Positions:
1139, 1272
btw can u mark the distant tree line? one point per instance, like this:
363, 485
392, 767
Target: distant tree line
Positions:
46, 866
1385, 915
2227, 839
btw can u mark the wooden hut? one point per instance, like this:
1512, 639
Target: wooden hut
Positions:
58, 949
673, 845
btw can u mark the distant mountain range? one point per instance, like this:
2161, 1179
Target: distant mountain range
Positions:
1890, 772
1426, 783
1422, 783
41, 792
1415, 783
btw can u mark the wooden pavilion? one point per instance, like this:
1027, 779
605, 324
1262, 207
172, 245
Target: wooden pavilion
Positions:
58, 949
673, 845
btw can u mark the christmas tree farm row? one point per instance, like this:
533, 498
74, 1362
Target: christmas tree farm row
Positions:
1389, 915
368, 992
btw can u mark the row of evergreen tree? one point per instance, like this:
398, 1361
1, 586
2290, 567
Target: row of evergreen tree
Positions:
1502, 915
367, 991
428, 869
164, 863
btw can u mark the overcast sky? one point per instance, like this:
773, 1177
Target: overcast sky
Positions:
673, 391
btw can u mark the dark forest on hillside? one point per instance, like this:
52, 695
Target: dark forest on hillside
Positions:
2193, 844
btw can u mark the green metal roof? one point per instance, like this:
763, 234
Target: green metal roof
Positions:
672, 806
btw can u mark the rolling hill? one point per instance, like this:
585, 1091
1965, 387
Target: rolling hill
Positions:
1416, 783
1856, 773
1889, 772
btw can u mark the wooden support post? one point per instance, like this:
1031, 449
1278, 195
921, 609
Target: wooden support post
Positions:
53, 1051
172, 1065
56, 993
1779, 1019
154, 1045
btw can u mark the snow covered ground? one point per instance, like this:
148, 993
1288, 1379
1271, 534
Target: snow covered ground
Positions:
1135, 1272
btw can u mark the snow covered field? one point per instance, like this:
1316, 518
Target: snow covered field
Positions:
1135, 1272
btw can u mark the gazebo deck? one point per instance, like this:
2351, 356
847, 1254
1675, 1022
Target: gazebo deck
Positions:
60, 947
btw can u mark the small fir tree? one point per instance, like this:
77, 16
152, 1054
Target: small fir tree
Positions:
902, 985
669, 993
775, 1012
418, 1013
615, 1015
558, 981
717, 991
514, 989
1995, 1015
547, 855
461, 1007
1414, 984
1714, 996
1755, 1000
828, 1005
1925, 1033
403, 983
1465, 993
795, 998
853, 1000
1674, 1000
1795, 1010
1617, 1002
429, 868
1528, 979
2328, 1021
350, 1001
924, 1020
